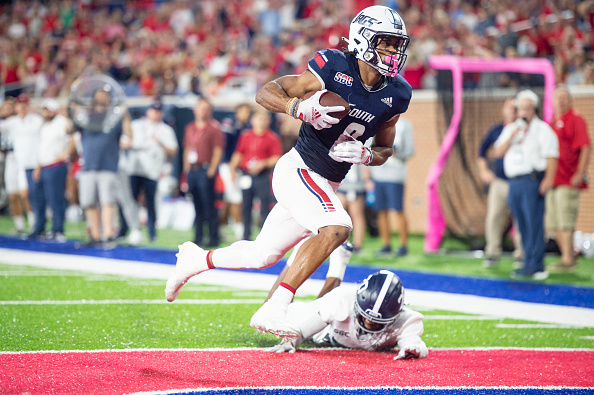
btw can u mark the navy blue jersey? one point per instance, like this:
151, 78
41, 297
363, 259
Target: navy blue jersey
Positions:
487, 142
339, 72
232, 129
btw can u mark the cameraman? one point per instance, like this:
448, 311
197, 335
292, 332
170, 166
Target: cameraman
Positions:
98, 177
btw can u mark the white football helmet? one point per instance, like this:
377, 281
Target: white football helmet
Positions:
365, 31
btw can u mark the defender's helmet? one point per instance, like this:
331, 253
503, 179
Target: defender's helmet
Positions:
379, 300
368, 27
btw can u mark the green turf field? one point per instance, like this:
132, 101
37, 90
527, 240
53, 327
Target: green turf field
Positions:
44, 309
462, 263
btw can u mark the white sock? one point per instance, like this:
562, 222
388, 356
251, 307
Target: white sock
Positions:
31, 219
19, 223
237, 230
282, 296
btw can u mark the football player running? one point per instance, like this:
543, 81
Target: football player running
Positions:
305, 179
370, 317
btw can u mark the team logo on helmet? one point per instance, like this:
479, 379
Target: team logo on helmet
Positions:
365, 20
396, 20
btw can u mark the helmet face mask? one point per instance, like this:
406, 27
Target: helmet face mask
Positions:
372, 26
378, 302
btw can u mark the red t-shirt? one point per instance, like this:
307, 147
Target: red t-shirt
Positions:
259, 147
203, 140
572, 133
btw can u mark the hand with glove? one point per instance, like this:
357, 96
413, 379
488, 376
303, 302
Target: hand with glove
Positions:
284, 346
351, 151
311, 111
410, 352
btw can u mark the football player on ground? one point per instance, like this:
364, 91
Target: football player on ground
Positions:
370, 318
305, 179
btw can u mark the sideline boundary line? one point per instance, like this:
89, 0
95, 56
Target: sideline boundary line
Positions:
324, 349
464, 303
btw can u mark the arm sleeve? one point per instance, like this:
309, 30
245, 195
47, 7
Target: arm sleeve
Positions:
487, 142
410, 337
276, 148
333, 306
168, 139
311, 324
186, 139
219, 140
581, 134
240, 147
549, 142
306, 316
504, 136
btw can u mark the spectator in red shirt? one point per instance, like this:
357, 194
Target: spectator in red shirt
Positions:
574, 153
203, 149
257, 152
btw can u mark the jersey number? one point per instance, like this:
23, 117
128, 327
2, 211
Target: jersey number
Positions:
351, 132
355, 130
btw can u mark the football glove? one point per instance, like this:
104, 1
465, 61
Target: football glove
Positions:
351, 151
311, 111
283, 346
411, 352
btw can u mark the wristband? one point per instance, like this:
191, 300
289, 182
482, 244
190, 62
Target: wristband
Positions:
370, 159
291, 105
294, 109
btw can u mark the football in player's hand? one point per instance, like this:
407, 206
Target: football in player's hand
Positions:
330, 99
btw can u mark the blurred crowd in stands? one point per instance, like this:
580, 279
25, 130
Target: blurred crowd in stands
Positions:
207, 47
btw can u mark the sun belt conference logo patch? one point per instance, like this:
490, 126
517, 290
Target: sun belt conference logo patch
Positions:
343, 79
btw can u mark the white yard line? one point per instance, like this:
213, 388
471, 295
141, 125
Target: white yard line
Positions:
127, 301
467, 304
535, 326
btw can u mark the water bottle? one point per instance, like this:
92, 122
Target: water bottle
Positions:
370, 198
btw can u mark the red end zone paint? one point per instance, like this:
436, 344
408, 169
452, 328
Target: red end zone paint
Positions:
160, 370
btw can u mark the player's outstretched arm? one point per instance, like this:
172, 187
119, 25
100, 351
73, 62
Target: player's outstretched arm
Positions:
411, 348
276, 94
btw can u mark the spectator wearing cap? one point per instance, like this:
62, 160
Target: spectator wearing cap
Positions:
153, 143
257, 152
56, 144
203, 145
493, 176
98, 178
22, 130
530, 150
